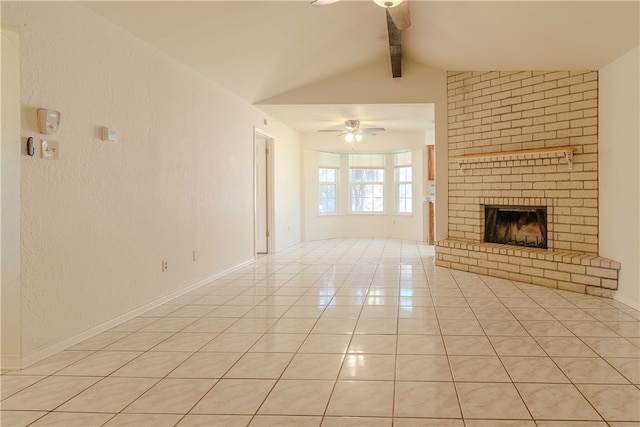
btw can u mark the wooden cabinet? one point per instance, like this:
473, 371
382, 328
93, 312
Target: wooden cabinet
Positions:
429, 193
431, 160
431, 219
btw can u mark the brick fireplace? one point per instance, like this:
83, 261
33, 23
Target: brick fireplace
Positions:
526, 140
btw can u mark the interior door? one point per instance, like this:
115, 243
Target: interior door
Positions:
261, 195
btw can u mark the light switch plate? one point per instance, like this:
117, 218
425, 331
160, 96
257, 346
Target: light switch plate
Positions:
109, 134
50, 150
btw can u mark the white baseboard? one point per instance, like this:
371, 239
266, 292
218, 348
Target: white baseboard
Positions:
627, 301
49, 350
10, 362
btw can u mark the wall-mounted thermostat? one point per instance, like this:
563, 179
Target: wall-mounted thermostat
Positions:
48, 121
109, 134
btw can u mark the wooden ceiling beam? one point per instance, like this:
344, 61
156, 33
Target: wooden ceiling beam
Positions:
395, 47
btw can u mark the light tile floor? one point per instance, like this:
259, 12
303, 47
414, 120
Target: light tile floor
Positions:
347, 332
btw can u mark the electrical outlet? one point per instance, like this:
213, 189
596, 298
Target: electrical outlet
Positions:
164, 266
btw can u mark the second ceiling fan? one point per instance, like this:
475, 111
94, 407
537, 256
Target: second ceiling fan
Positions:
353, 131
398, 19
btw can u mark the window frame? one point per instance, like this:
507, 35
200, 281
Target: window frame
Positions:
403, 183
333, 183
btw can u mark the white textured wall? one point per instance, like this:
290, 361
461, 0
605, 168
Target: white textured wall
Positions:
10, 200
619, 163
286, 177
97, 223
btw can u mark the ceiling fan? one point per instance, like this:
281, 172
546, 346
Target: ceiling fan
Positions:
398, 19
353, 131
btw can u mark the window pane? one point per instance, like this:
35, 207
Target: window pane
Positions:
367, 190
403, 174
327, 190
331, 175
367, 175
403, 189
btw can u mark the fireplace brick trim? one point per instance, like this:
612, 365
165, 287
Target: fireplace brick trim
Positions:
572, 271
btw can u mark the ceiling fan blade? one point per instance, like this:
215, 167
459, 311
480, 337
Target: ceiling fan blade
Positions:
400, 15
323, 2
370, 132
330, 130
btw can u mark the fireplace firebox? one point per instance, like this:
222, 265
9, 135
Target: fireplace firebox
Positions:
516, 225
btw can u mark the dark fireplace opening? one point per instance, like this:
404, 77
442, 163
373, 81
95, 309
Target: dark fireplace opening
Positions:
516, 225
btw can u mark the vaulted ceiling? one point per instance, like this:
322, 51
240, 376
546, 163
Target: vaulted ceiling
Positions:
262, 49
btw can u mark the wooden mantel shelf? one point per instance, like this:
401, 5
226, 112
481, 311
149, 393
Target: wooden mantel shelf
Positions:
535, 153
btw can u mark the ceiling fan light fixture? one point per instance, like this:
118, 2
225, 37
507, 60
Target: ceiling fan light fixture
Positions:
353, 135
387, 3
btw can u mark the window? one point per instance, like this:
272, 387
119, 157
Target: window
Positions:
327, 190
403, 189
328, 182
366, 177
367, 190
403, 178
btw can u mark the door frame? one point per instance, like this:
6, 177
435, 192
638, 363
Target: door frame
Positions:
260, 133
11, 324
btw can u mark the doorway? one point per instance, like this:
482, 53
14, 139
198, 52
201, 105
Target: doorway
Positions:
263, 192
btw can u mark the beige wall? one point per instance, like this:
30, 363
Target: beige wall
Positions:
619, 148
10, 200
287, 185
97, 223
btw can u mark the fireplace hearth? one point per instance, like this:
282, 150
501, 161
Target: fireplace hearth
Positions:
516, 225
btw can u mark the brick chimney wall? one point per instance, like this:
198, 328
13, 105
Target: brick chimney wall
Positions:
517, 117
